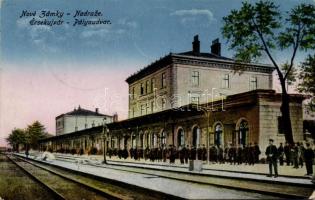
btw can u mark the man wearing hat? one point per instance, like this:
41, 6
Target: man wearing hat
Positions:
272, 154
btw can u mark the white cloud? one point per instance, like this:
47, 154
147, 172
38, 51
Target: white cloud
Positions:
191, 15
111, 32
125, 22
38, 34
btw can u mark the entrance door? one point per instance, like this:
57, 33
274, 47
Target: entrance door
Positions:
180, 138
218, 134
243, 133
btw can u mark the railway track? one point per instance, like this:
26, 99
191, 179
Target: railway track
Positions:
63, 184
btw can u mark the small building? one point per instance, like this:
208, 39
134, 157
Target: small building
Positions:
80, 119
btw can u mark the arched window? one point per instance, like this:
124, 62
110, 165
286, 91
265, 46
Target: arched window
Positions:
163, 138
134, 141
141, 140
147, 138
154, 141
243, 132
196, 136
180, 138
218, 134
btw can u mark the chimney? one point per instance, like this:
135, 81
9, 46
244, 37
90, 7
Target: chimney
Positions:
196, 45
115, 117
96, 110
216, 47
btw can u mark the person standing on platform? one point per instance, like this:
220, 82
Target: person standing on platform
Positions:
287, 153
251, 154
239, 154
232, 153
301, 154
185, 154
204, 153
295, 156
181, 154
199, 152
281, 154
257, 152
309, 157
220, 154
193, 152
272, 154
164, 153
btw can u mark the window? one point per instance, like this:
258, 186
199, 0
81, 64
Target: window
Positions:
147, 108
152, 84
163, 104
180, 138
194, 100
280, 125
163, 80
141, 89
133, 93
152, 106
195, 78
226, 81
142, 109
218, 135
147, 87
253, 83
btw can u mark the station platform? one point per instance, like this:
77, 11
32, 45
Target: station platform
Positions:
176, 188
287, 174
244, 180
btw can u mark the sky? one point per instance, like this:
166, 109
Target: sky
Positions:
48, 70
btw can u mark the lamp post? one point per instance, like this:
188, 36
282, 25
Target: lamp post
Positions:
104, 139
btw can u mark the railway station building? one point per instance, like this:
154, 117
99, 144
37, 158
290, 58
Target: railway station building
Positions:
194, 98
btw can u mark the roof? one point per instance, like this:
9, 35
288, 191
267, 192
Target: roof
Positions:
204, 55
82, 112
231, 102
199, 59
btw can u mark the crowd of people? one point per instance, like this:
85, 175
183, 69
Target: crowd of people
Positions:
292, 155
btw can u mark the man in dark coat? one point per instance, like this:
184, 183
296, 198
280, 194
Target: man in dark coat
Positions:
308, 157
272, 154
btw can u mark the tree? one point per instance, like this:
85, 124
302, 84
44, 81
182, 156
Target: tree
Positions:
35, 132
257, 29
307, 77
16, 138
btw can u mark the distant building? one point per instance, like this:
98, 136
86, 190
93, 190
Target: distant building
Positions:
192, 77
80, 119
